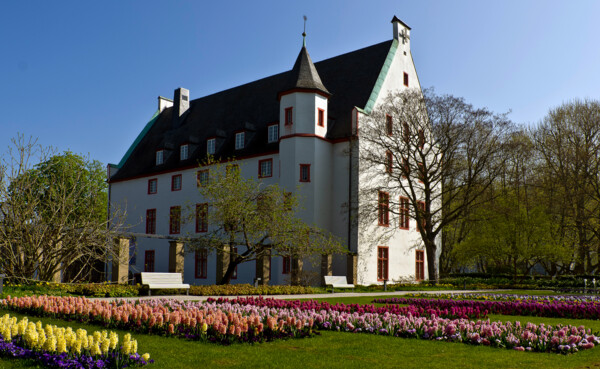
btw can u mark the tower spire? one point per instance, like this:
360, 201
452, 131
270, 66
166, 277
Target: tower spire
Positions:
304, 33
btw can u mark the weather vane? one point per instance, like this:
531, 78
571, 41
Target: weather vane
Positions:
304, 33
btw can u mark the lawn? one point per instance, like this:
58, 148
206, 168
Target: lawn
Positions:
346, 350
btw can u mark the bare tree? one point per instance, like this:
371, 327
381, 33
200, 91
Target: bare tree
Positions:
52, 214
438, 152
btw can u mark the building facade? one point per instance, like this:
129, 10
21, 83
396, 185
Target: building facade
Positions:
299, 129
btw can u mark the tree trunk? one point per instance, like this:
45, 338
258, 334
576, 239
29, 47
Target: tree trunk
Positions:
432, 262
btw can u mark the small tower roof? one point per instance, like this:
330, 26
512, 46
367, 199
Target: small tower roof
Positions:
304, 75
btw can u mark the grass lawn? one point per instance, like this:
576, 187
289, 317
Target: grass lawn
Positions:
345, 350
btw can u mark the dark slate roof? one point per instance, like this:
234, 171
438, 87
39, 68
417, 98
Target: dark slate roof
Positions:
304, 75
349, 79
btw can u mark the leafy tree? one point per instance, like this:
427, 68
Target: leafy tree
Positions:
259, 219
52, 214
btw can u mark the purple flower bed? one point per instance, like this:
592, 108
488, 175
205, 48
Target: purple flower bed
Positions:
453, 312
543, 308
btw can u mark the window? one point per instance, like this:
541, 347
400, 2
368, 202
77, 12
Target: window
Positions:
232, 169
289, 116
234, 254
210, 146
389, 161
152, 186
151, 221
176, 182
382, 263
321, 118
149, 261
389, 127
202, 178
159, 157
406, 132
405, 168
202, 217
304, 172
383, 209
405, 79
403, 212
420, 265
421, 172
201, 264
421, 139
265, 168
273, 133
175, 220
239, 140
287, 265
183, 152
288, 201
422, 209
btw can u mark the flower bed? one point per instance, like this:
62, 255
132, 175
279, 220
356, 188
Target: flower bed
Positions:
62, 347
543, 308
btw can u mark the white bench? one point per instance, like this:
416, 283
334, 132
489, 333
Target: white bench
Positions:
164, 280
338, 281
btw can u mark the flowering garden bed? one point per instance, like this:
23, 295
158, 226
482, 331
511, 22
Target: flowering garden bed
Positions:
52, 346
574, 308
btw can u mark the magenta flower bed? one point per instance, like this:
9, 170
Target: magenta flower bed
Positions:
543, 308
454, 312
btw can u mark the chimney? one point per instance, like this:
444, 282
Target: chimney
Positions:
181, 102
401, 32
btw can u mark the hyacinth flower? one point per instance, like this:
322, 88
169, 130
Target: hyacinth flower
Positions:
63, 347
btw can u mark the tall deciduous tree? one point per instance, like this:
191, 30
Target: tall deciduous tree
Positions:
438, 151
259, 220
52, 214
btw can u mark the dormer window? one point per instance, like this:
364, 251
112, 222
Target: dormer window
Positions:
321, 118
239, 140
210, 146
289, 116
273, 133
160, 157
183, 152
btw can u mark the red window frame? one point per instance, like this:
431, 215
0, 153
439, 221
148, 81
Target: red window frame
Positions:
420, 265
175, 220
383, 209
403, 213
389, 161
406, 132
173, 181
260, 173
151, 221
199, 182
286, 265
405, 79
321, 117
149, 261
382, 263
307, 168
421, 172
422, 208
289, 116
389, 124
201, 264
150, 182
421, 139
406, 167
201, 217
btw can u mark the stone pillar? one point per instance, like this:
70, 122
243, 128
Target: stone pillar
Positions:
120, 260
351, 267
263, 268
176, 257
297, 264
326, 267
222, 262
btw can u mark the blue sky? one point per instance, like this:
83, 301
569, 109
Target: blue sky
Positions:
85, 76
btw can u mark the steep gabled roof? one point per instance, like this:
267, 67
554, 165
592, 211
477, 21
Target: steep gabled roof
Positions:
349, 78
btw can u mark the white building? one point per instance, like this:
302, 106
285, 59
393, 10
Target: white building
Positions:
296, 128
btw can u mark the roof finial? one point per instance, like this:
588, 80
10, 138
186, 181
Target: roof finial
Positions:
304, 33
